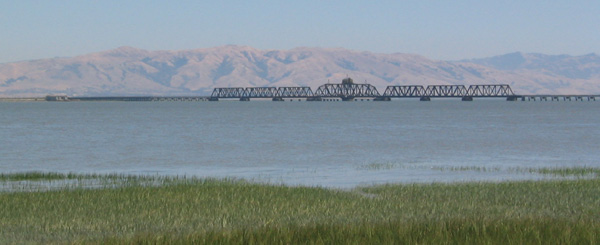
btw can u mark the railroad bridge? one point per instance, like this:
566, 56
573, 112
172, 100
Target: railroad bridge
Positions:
348, 91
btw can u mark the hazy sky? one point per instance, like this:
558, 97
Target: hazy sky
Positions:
446, 30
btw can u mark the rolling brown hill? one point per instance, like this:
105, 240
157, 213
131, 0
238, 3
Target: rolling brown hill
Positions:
131, 71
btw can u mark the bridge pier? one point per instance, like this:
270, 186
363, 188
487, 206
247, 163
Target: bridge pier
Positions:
512, 98
244, 99
557, 97
425, 98
277, 99
382, 98
467, 98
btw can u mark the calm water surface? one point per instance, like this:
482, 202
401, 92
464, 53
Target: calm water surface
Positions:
333, 144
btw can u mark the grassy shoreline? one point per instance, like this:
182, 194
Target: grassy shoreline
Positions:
190, 210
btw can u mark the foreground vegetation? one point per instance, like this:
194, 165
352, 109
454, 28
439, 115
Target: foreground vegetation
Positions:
192, 210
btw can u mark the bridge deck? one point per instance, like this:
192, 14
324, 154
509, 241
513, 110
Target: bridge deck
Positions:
347, 91
140, 98
550, 97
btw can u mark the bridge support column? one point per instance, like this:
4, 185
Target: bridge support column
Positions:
467, 98
512, 98
425, 98
382, 98
213, 99
277, 99
244, 99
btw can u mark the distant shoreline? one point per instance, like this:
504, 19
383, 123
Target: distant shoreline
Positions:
30, 99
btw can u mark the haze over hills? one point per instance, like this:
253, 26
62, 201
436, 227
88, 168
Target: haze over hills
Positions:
131, 71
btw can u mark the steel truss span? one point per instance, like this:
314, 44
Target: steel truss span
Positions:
407, 91
446, 91
260, 92
228, 93
490, 90
294, 92
404, 91
347, 90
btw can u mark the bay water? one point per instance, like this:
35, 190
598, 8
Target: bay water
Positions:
330, 144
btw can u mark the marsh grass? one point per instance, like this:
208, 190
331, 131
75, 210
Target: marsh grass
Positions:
191, 210
555, 171
467, 168
33, 176
568, 171
48, 176
459, 231
378, 166
45, 181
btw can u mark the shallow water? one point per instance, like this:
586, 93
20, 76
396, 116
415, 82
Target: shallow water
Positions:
333, 144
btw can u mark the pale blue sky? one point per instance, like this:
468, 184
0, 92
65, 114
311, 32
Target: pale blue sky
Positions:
446, 30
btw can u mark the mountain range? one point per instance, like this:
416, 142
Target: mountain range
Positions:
132, 71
